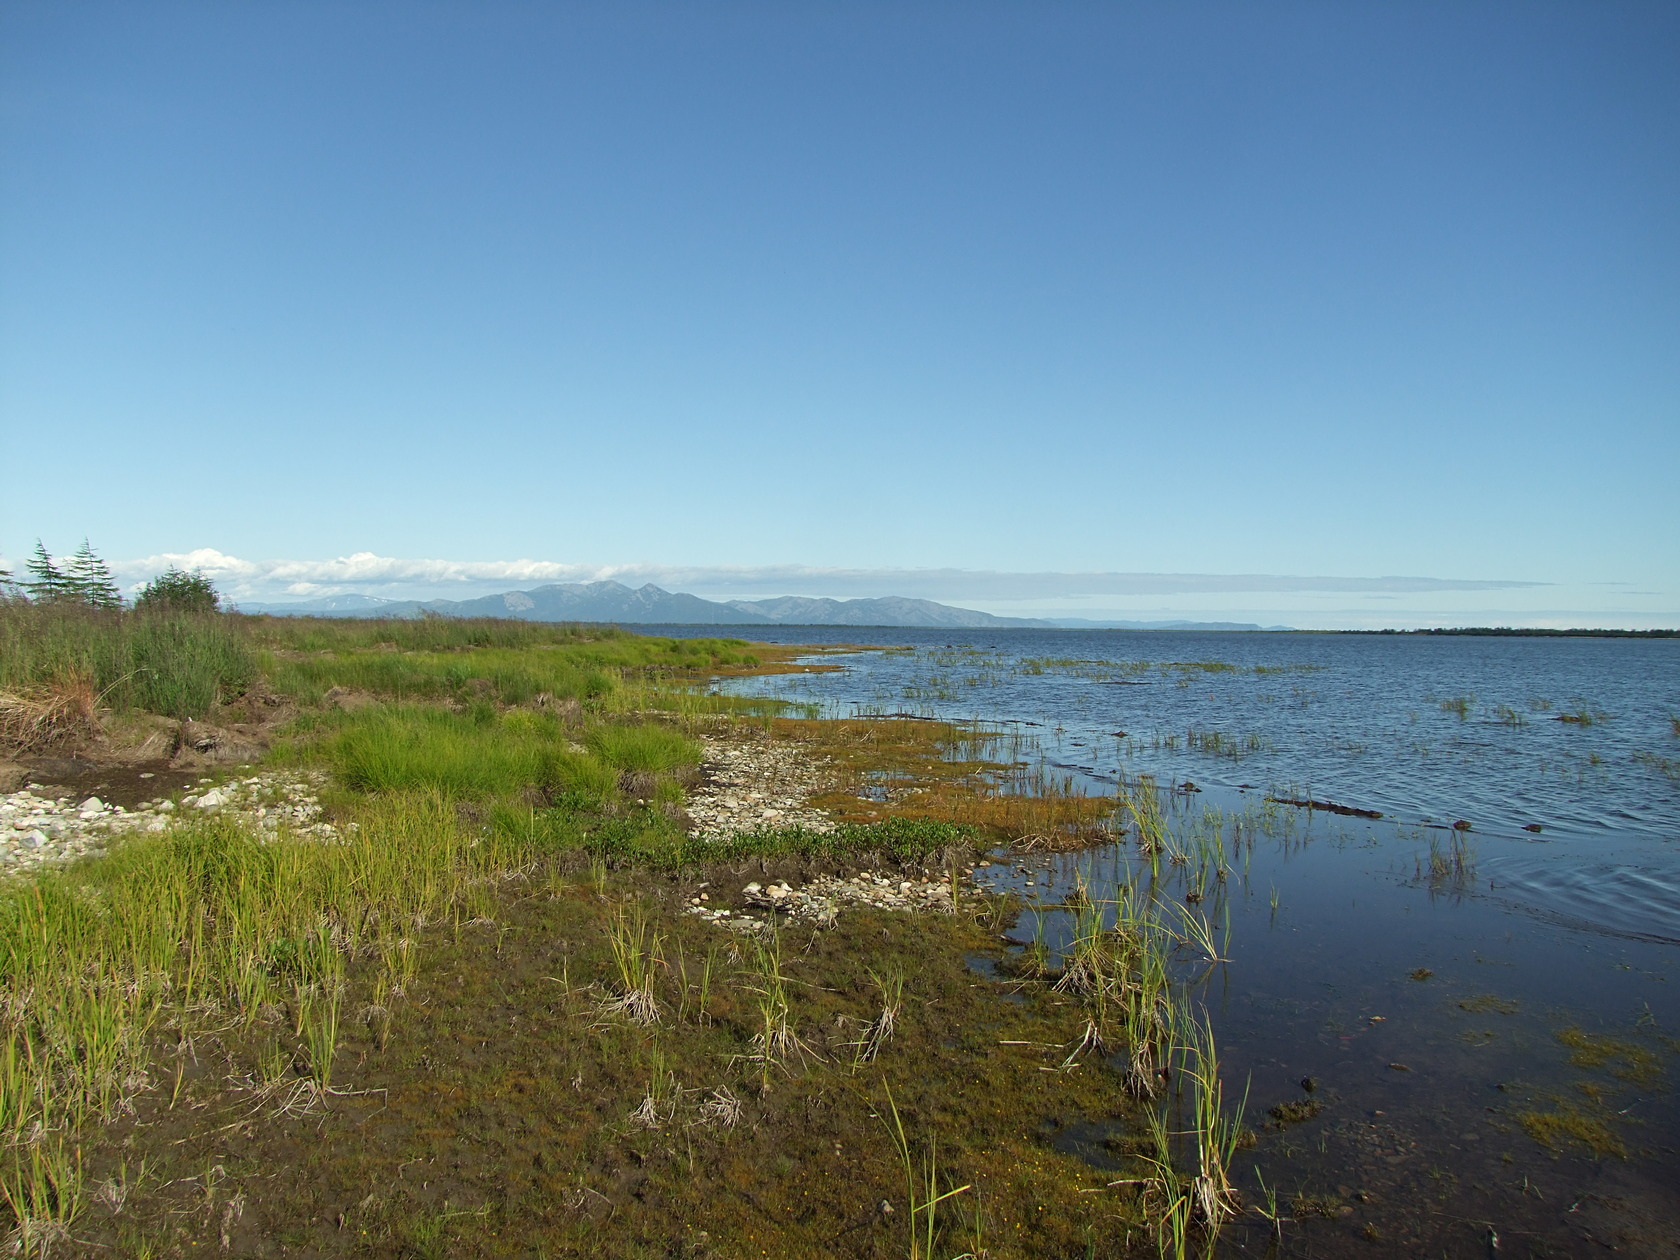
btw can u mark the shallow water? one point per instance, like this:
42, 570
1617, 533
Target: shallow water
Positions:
1423, 729
1455, 996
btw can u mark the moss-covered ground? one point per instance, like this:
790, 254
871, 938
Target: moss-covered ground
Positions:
435, 1035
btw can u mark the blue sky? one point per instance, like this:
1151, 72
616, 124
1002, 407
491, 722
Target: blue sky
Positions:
837, 298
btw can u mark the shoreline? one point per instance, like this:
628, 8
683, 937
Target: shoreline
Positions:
546, 981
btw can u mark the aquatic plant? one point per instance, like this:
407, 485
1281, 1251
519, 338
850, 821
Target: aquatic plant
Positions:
1144, 803
1219, 744
1582, 714
1213, 1130
1569, 1122
1668, 767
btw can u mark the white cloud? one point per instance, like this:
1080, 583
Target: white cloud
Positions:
361, 571
365, 572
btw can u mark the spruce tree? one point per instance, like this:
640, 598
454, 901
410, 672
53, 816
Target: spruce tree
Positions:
89, 580
45, 582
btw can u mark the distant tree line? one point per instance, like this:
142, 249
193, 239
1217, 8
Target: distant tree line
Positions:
1537, 632
85, 579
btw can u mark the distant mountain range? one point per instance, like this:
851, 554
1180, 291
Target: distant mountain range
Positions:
650, 605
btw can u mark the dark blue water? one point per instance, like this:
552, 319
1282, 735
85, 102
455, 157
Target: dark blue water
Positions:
1436, 984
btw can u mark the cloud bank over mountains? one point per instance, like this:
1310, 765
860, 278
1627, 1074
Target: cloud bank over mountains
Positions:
389, 576
1304, 600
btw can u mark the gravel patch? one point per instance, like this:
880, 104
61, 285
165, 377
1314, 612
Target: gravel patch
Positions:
820, 900
751, 784
41, 828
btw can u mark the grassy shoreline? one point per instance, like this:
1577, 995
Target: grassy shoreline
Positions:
512, 855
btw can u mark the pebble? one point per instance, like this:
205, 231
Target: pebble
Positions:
820, 900
753, 783
38, 828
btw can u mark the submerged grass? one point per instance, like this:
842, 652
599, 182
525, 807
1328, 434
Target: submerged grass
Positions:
1627, 1060
1567, 1123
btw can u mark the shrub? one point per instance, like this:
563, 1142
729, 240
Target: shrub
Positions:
180, 592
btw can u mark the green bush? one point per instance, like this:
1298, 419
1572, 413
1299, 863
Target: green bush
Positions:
175, 591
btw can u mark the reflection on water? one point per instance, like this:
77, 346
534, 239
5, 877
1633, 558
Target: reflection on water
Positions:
1441, 1036
1456, 1041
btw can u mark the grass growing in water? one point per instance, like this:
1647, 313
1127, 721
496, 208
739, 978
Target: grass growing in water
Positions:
1627, 1060
1567, 1123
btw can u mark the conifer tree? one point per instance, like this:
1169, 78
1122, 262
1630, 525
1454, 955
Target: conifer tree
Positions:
89, 579
45, 582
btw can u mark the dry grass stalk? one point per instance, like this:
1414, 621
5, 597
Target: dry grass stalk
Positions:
48, 717
882, 1027
722, 1109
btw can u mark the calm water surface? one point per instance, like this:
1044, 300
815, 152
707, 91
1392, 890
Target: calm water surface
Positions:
1451, 994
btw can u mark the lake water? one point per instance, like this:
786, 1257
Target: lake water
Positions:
1488, 1013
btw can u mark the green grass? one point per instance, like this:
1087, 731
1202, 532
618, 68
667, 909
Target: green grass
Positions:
471, 764
482, 753
422, 634
583, 670
508, 675
181, 664
643, 749
207, 920
477, 754
489, 745
173, 663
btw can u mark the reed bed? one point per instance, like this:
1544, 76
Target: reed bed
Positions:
174, 663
